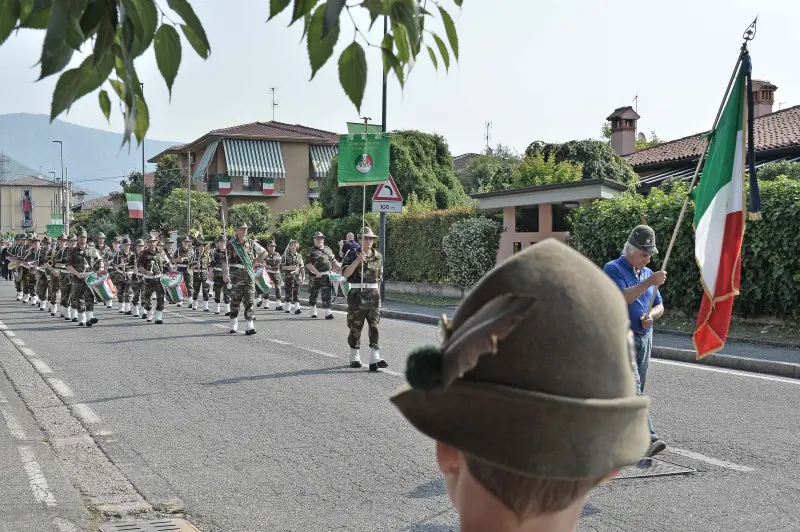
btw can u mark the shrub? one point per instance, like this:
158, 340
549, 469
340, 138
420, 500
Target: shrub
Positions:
471, 249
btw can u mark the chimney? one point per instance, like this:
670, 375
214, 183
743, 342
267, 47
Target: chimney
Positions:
623, 130
763, 97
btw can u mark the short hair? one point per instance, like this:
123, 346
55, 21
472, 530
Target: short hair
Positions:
528, 496
628, 249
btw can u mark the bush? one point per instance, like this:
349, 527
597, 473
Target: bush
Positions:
256, 215
770, 253
471, 249
770, 171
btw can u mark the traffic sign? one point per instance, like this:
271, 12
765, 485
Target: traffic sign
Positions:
388, 192
387, 206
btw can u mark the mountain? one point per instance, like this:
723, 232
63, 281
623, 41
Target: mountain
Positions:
13, 169
93, 156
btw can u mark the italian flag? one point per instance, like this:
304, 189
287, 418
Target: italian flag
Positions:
224, 185
268, 185
719, 222
135, 205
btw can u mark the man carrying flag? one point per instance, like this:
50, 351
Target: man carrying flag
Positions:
243, 254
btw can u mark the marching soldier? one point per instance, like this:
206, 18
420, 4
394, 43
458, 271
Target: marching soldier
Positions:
364, 299
320, 261
111, 257
13, 263
24, 269
151, 264
121, 274
31, 263
215, 264
135, 278
65, 280
79, 266
42, 280
181, 258
199, 268
243, 254
55, 265
273, 269
292, 268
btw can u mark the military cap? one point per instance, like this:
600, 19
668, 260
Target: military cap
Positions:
644, 238
81, 232
45, 239
34, 238
270, 243
319, 234
199, 241
126, 240
368, 233
101, 235
62, 236
153, 238
140, 242
545, 385
186, 238
116, 239
72, 236
30, 236
242, 225
220, 238
293, 241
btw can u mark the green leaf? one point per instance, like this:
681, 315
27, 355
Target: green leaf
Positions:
353, 73
64, 93
376, 9
149, 14
133, 14
186, 12
76, 83
320, 49
90, 20
94, 72
55, 52
333, 10
302, 8
195, 42
37, 14
450, 28
389, 59
118, 87
142, 119
276, 7
105, 104
402, 14
433, 58
458, 2
104, 40
9, 13
401, 40
75, 36
443, 51
25, 9
168, 54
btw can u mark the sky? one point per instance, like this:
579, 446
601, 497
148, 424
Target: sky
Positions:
537, 70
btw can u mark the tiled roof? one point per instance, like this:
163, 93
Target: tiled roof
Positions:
150, 179
105, 201
31, 181
780, 129
277, 130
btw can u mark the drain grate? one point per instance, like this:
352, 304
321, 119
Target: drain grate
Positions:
652, 467
156, 525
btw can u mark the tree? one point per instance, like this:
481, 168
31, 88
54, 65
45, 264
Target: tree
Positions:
419, 162
205, 213
771, 171
257, 216
598, 159
643, 144
167, 178
98, 220
495, 166
535, 170
125, 224
120, 31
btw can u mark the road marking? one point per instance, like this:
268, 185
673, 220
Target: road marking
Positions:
14, 426
85, 414
2, 398
318, 352
27, 351
40, 366
281, 342
64, 526
728, 371
709, 460
9, 333
18, 342
60, 387
38, 482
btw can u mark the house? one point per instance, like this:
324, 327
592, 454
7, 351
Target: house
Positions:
776, 137
26, 204
273, 162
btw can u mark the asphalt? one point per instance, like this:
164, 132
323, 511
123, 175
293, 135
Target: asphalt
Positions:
274, 431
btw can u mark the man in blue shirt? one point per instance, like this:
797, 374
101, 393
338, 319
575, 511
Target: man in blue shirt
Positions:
638, 282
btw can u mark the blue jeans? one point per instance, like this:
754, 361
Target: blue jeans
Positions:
644, 345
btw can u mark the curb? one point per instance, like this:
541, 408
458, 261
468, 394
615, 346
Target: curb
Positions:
752, 365
754, 341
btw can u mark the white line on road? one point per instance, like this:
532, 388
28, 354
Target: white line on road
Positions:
713, 461
18, 342
64, 526
728, 371
27, 351
2, 398
85, 413
14, 426
38, 482
40, 366
60, 387
9, 333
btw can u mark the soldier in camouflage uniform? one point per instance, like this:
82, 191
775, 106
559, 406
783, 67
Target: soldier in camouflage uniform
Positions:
241, 251
56, 267
199, 269
136, 280
79, 266
26, 270
13, 263
42, 280
364, 299
215, 264
100, 249
119, 261
65, 279
181, 258
273, 269
320, 261
152, 263
292, 268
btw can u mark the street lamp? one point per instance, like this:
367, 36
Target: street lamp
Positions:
63, 185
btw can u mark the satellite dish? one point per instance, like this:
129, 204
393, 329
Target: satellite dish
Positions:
642, 138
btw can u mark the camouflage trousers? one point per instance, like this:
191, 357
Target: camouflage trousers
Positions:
149, 287
42, 284
82, 297
55, 284
66, 289
363, 305
123, 285
30, 284
136, 289
243, 292
276, 283
320, 286
199, 285
188, 280
292, 289
221, 290
18, 280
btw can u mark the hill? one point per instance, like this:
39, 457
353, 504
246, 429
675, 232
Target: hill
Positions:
93, 156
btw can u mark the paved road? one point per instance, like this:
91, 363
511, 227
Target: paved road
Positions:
274, 432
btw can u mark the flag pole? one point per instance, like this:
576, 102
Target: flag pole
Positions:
364, 201
748, 36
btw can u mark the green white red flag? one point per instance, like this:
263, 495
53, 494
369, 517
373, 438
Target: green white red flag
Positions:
224, 184
135, 205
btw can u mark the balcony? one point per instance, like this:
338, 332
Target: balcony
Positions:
314, 187
243, 186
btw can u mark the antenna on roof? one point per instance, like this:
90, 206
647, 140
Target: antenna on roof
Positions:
636, 103
780, 104
487, 136
274, 103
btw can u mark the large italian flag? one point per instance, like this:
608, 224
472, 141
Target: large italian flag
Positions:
135, 205
224, 184
719, 223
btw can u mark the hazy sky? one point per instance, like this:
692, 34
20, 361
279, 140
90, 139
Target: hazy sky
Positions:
536, 69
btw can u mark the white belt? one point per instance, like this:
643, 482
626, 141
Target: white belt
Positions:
159, 276
364, 285
236, 266
60, 265
217, 269
64, 270
271, 271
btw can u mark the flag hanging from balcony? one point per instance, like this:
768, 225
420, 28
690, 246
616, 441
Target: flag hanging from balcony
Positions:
720, 208
224, 185
135, 205
268, 185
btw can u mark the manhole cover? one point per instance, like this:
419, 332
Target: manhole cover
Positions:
652, 467
156, 525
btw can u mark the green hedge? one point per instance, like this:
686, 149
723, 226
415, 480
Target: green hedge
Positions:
770, 258
471, 249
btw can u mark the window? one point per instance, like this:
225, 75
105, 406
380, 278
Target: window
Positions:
27, 208
527, 219
246, 181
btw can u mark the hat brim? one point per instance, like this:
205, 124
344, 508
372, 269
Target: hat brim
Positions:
532, 433
652, 250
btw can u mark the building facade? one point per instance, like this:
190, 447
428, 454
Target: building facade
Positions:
26, 204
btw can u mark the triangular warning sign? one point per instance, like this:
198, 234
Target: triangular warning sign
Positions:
387, 191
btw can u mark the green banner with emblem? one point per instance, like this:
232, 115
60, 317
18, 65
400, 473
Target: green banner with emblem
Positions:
53, 230
363, 159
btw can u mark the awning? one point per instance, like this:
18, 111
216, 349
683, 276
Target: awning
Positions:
207, 155
321, 157
254, 158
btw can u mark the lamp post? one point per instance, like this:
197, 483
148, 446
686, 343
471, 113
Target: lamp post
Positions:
144, 186
63, 185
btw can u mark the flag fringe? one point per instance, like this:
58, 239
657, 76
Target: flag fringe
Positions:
754, 216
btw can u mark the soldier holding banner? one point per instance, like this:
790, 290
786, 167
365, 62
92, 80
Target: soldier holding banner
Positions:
243, 254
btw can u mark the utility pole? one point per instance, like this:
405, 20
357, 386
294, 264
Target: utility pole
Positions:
144, 186
274, 103
188, 195
382, 230
63, 184
487, 136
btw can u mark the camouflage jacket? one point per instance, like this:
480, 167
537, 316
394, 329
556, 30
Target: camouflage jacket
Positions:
373, 268
199, 261
321, 258
80, 259
251, 247
292, 258
216, 260
273, 263
152, 261
181, 253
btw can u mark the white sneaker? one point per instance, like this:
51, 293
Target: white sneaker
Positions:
269, 304
355, 358
218, 307
159, 317
180, 304
234, 325
205, 306
150, 316
249, 327
195, 306
314, 311
82, 319
375, 360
